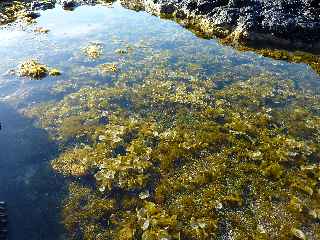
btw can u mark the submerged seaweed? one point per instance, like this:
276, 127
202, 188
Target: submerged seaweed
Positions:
199, 142
246, 160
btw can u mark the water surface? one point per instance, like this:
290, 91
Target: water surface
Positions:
152, 50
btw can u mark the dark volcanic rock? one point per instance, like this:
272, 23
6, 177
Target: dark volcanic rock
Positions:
44, 5
68, 4
72, 4
282, 23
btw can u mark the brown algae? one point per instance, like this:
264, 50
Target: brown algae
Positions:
33, 69
243, 159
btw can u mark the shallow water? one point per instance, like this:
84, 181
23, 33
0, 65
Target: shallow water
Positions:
154, 49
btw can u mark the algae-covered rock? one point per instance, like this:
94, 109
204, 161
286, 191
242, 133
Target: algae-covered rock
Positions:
33, 69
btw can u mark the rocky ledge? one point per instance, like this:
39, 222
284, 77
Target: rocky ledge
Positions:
293, 24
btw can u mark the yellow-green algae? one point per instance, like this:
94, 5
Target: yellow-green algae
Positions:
93, 50
163, 159
33, 69
14, 10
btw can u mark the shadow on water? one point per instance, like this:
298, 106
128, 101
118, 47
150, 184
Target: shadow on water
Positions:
30, 188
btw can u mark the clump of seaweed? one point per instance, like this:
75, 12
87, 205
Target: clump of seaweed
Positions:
32, 68
108, 68
92, 211
35, 70
121, 51
245, 161
132, 171
156, 223
54, 72
93, 51
41, 30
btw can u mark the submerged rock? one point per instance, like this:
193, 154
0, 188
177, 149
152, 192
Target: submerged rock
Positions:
72, 4
68, 4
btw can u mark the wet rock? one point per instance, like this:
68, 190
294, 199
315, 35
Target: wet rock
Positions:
72, 4
42, 5
33, 69
3, 18
68, 4
281, 23
31, 14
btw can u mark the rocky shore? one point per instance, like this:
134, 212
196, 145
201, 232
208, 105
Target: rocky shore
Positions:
270, 28
289, 24
292, 24
28, 9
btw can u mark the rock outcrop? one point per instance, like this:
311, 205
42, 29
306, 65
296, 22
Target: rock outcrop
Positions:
293, 24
